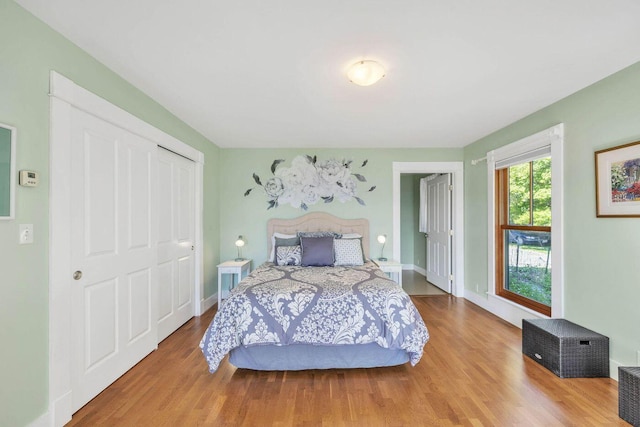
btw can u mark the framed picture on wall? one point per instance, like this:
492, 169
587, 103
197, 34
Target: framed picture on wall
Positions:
618, 181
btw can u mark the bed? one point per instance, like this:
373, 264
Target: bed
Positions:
307, 309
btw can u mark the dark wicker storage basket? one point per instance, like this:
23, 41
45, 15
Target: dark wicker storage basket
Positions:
566, 349
629, 394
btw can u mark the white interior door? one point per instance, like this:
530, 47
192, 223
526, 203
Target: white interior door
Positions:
439, 231
113, 252
176, 239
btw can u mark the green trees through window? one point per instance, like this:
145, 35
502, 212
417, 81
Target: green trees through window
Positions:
524, 234
526, 208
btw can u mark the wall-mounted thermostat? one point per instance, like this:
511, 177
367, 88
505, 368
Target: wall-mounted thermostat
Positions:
28, 178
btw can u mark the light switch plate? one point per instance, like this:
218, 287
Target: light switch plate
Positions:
26, 234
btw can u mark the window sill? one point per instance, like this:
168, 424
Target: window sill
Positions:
511, 311
521, 307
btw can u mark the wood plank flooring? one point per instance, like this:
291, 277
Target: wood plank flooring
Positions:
472, 374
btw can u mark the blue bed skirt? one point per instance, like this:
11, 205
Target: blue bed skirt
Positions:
298, 357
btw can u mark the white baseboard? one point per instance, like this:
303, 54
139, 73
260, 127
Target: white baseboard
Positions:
613, 368
413, 267
419, 270
62, 409
512, 313
45, 420
57, 415
207, 303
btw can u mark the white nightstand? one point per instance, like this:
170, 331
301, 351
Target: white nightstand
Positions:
392, 268
236, 268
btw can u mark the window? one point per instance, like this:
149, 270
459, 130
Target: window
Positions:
523, 234
525, 222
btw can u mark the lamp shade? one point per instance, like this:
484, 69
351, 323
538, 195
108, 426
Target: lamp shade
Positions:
382, 238
239, 244
365, 73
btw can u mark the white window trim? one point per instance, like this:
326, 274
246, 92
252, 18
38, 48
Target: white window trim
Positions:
553, 137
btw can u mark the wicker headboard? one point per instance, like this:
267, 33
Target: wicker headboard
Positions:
319, 221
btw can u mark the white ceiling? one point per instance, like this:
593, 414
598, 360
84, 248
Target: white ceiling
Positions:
257, 73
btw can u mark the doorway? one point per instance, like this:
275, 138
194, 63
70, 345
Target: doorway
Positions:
456, 169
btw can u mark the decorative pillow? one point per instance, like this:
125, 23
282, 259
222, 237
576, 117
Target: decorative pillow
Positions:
317, 251
319, 234
274, 236
348, 251
289, 255
286, 241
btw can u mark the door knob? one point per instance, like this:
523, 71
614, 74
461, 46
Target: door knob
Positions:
77, 275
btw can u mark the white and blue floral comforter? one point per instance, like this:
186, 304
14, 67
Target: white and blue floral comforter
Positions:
283, 305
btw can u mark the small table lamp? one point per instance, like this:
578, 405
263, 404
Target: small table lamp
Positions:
382, 238
240, 244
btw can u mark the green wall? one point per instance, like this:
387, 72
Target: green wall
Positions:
419, 241
248, 215
413, 244
28, 51
408, 213
602, 290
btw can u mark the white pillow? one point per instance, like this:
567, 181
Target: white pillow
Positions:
348, 251
272, 256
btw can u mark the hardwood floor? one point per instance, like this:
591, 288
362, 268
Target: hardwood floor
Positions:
472, 374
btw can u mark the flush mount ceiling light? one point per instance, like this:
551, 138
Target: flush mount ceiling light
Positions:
365, 73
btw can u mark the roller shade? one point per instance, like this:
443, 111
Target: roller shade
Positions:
529, 156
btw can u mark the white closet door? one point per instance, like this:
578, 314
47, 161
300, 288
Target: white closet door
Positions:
438, 232
176, 234
113, 253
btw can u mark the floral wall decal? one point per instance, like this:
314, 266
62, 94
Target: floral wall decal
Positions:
308, 181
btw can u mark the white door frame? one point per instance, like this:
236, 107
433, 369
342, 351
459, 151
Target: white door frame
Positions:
456, 169
65, 94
